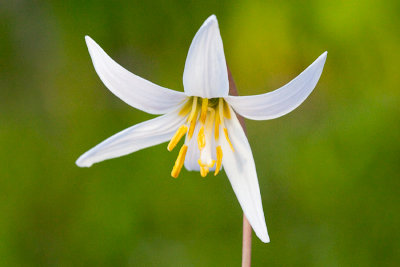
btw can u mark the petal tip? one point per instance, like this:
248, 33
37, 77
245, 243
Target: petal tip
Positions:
90, 42
211, 20
88, 39
265, 238
80, 162
262, 233
212, 17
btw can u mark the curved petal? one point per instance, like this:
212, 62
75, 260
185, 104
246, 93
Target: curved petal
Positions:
241, 171
283, 100
139, 136
132, 89
205, 73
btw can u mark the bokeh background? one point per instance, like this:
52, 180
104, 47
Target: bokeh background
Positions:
328, 172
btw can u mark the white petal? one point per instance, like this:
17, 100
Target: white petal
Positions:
205, 73
132, 89
283, 100
139, 136
241, 171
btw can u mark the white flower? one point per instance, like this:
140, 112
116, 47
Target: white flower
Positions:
204, 114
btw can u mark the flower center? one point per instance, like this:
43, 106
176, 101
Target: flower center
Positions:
206, 115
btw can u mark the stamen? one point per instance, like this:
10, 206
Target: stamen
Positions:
178, 135
204, 106
227, 112
219, 160
179, 162
210, 119
186, 108
191, 128
194, 109
217, 123
193, 117
201, 138
221, 112
227, 139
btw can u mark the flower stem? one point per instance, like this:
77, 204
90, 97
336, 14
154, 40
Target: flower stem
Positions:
246, 249
246, 245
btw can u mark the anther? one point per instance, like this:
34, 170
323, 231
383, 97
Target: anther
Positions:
179, 162
219, 160
201, 138
178, 135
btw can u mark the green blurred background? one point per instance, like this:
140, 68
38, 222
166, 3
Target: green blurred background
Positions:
328, 172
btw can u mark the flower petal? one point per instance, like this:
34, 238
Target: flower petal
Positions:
205, 73
132, 89
241, 171
139, 136
283, 100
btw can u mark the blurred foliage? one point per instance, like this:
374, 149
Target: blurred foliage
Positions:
328, 172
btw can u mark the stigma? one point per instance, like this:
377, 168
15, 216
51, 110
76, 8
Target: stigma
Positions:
208, 116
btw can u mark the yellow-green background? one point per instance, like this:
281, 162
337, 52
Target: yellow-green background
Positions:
328, 172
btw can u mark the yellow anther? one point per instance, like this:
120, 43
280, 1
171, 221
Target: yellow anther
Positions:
178, 135
219, 160
201, 138
179, 162
203, 114
227, 139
